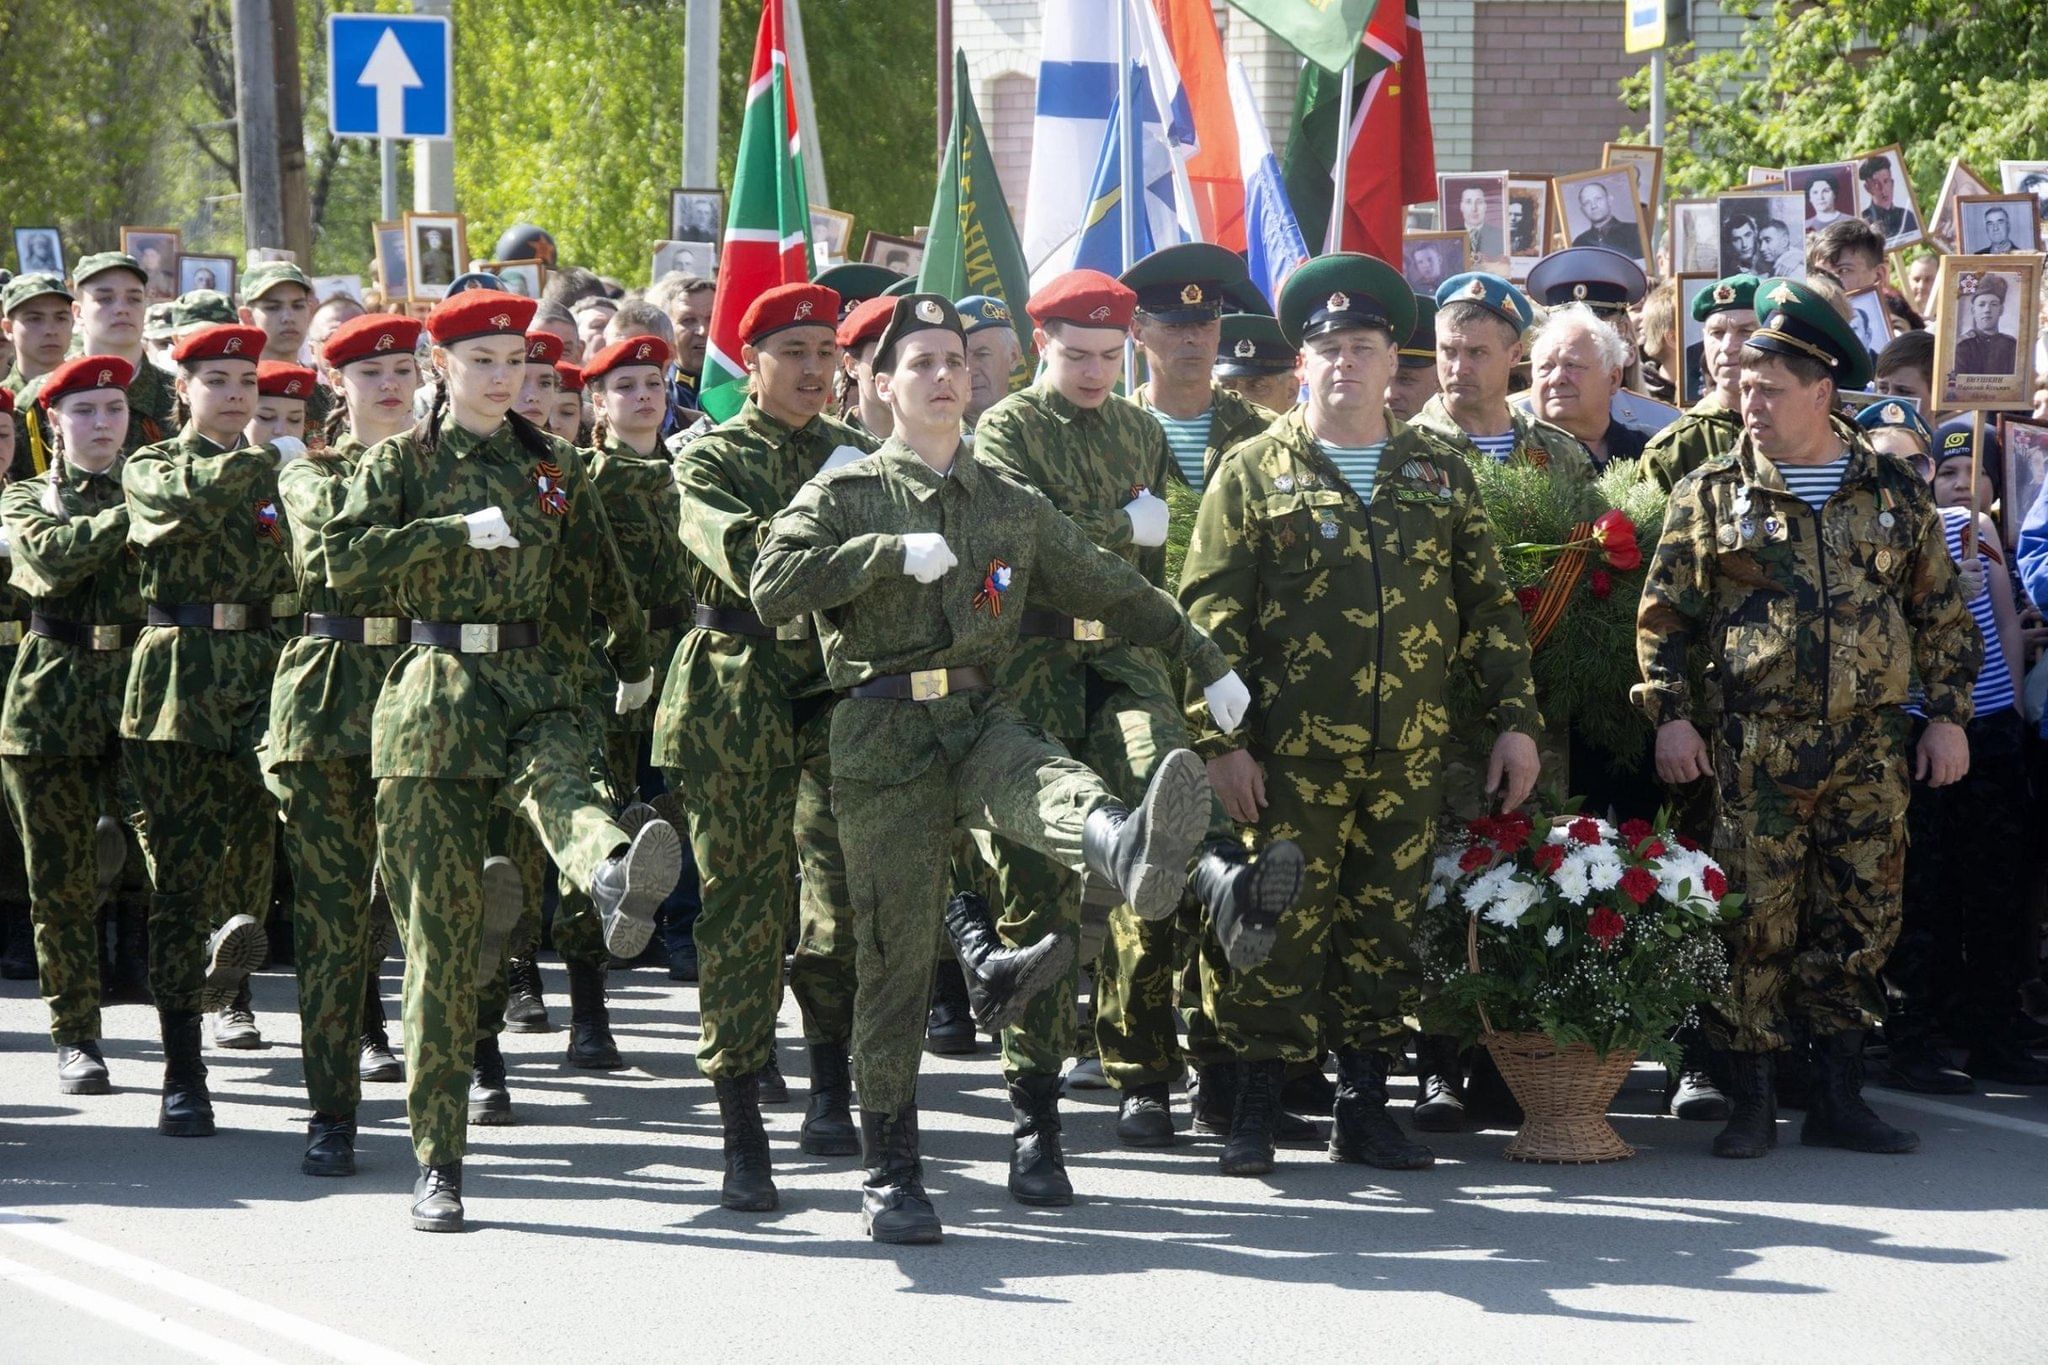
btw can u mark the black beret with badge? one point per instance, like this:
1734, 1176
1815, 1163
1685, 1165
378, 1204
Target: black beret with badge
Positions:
1342, 291
1187, 282
916, 313
1795, 321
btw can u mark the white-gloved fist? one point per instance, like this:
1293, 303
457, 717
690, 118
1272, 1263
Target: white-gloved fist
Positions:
1228, 699
926, 556
634, 695
1971, 576
843, 455
1148, 520
288, 448
489, 531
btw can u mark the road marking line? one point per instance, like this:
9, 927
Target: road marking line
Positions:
277, 1322
200, 1345
1905, 1100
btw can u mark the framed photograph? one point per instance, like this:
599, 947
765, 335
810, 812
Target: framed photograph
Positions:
1477, 207
327, 287
1996, 224
525, 278
1764, 175
1871, 320
695, 215
2026, 177
1649, 164
206, 272
1984, 333
390, 259
1827, 192
157, 249
2025, 443
901, 254
1760, 234
685, 258
831, 230
436, 246
1604, 208
1529, 229
1959, 181
1695, 226
38, 250
1692, 362
1884, 197
1430, 258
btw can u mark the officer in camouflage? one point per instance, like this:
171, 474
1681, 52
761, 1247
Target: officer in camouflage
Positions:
35, 317
1726, 312
1179, 325
1815, 574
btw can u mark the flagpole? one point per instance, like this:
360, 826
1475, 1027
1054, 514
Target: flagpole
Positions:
1127, 178
1333, 236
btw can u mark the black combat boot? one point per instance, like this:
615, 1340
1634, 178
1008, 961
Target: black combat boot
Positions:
525, 1010
1691, 1092
490, 1103
187, 1109
1255, 1113
631, 885
1794, 1068
2004, 1062
81, 1069
1000, 982
1038, 1170
770, 1083
590, 1024
949, 1024
1245, 897
1307, 1089
1214, 1097
1144, 853
1363, 1131
1145, 1116
893, 1205
749, 1185
233, 951
1439, 1085
1836, 1115
828, 1124
1753, 1105
437, 1198
375, 1060
330, 1145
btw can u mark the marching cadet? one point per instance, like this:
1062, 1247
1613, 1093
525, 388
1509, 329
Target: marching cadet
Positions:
1480, 321
60, 746
473, 524
204, 520
994, 351
283, 392
1344, 525
1179, 324
1726, 312
914, 561
1813, 573
570, 418
857, 334
277, 297
1113, 703
110, 296
35, 315
1254, 361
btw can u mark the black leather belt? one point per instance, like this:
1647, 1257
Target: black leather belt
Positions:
739, 621
668, 617
235, 616
1053, 625
476, 637
358, 630
101, 639
926, 684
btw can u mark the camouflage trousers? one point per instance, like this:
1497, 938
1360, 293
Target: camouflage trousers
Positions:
898, 838
330, 824
209, 832
1343, 972
751, 834
1812, 829
56, 804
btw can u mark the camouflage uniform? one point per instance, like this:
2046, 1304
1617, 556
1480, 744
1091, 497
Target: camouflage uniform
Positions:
1345, 619
454, 732
1706, 431
60, 746
908, 774
151, 401
205, 524
1815, 624
742, 735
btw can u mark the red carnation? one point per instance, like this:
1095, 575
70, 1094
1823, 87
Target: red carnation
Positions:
1616, 536
1653, 849
1601, 583
1548, 858
1638, 884
1633, 832
1689, 845
1511, 831
1584, 830
1715, 881
1482, 828
1474, 858
1605, 926
1529, 599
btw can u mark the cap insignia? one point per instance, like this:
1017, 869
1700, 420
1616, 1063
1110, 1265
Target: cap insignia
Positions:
501, 320
803, 310
1100, 314
1579, 291
928, 310
1784, 293
106, 378
1892, 412
234, 346
1724, 292
385, 341
1475, 290
643, 351
1339, 302
1245, 349
1191, 293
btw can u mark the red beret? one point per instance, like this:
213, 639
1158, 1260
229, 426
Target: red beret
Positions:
280, 379
6, 400
571, 376
866, 321
480, 313
789, 305
1086, 298
222, 341
629, 351
543, 348
372, 334
83, 375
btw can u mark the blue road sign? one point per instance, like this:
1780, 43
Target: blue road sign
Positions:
390, 76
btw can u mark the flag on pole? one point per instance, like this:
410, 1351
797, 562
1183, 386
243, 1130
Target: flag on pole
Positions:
1076, 89
767, 229
1213, 170
1273, 242
1324, 31
1099, 244
972, 247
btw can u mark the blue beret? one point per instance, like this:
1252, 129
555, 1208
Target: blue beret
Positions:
1897, 412
1490, 292
983, 310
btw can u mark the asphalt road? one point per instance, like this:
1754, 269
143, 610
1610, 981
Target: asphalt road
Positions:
596, 1233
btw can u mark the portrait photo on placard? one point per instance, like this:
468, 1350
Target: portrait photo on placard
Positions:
2024, 445
436, 252
1827, 193
525, 278
1996, 224
1984, 338
685, 258
390, 257
1884, 198
1695, 236
1760, 235
38, 251
1430, 258
206, 272
1649, 164
2026, 177
1870, 320
904, 255
695, 215
1959, 181
1477, 207
831, 232
1528, 223
157, 250
1602, 208
1692, 363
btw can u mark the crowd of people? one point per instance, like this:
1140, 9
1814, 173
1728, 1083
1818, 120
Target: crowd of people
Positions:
327, 622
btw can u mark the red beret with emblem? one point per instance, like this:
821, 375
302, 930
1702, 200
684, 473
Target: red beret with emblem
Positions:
571, 375
222, 341
281, 379
480, 313
866, 321
789, 305
369, 336
543, 348
83, 375
1086, 298
629, 351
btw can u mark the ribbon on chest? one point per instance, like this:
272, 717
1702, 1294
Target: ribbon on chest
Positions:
994, 585
547, 482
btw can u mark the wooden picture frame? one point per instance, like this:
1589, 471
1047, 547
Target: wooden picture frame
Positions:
1529, 234
1980, 361
2026, 177
1692, 361
1973, 216
1490, 249
1574, 212
436, 251
206, 272
1649, 184
157, 249
1430, 258
388, 256
2023, 442
831, 230
1959, 180
1910, 224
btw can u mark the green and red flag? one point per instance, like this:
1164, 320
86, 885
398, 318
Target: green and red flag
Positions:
1324, 31
972, 247
767, 230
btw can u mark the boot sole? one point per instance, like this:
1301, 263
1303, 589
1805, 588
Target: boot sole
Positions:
1043, 1201
321, 1168
750, 1204
1246, 1168
1248, 935
88, 1085
952, 1047
1040, 973
420, 1224
381, 1074
529, 1026
917, 1238
1176, 810
812, 1145
504, 897
491, 1118
654, 860
1703, 1111
241, 1042
238, 949
185, 1127
612, 1063
1413, 1164
1873, 1149
1145, 1141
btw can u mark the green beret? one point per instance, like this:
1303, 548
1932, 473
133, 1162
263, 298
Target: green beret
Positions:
100, 262
1735, 292
1345, 290
259, 280
1798, 322
1186, 282
856, 282
1253, 344
202, 308
34, 285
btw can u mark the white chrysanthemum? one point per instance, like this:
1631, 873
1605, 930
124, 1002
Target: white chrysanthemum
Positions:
1572, 882
1515, 900
1554, 935
1484, 889
1437, 895
1603, 866
1445, 868
1680, 868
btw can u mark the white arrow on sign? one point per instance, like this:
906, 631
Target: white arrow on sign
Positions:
391, 73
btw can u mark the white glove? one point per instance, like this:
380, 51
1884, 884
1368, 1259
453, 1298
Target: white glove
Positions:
926, 556
634, 695
6, 544
843, 455
288, 448
1228, 699
488, 531
1972, 579
1148, 520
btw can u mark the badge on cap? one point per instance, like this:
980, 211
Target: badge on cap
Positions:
1579, 291
1245, 349
995, 312
1475, 290
928, 310
233, 346
1100, 314
1724, 292
547, 482
291, 389
989, 596
1191, 293
803, 310
106, 379
642, 351
1892, 412
501, 320
1784, 293
1337, 303
385, 341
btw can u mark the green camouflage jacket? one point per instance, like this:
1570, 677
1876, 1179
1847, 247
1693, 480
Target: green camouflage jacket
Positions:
401, 531
1535, 439
837, 551
1707, 430
725, 705
1089, 462
1818, 616
638, 493
1232, 418
1345, 619
64, 701
151, 400
207, 526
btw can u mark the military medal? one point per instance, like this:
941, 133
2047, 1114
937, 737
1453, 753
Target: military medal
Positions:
1771, 526
1329, 530
1884, 561
547, 479
1748, 529
1727, 537
266, 521
1885, 519
994, 583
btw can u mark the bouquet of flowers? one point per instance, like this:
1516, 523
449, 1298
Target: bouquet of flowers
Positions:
1584, 932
